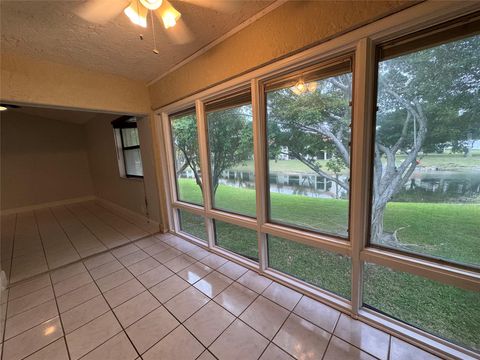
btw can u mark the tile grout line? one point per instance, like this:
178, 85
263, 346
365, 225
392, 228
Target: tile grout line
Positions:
261, 294
331, 336
116, 318
283, 323
72, 263
96, 215
63, 229
4, 322
89, 228
120, 216
60, 319
53, 289
192, 285
13, 249
162, 304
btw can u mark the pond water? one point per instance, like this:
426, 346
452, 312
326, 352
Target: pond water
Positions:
438, 185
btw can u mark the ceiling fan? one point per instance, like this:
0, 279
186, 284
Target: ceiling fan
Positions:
138, 11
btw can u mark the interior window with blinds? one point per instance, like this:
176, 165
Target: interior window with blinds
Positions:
128, 146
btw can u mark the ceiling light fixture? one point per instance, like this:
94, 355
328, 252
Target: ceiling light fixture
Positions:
151, 4
137, 13
3, 108
168, 14
301, 87
138, 10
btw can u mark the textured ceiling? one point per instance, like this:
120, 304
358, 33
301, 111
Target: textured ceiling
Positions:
50, 30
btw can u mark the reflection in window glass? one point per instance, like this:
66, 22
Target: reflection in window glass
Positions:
133, 162
237, 239
443, 310
187, 160
313, 265
230, 144
130, 137
192, 224
426, 186
309, 154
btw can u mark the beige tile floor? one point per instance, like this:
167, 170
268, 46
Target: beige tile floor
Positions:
37, 241
162, 297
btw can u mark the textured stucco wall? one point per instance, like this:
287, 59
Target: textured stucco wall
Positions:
33, 81
290, 27
42, 160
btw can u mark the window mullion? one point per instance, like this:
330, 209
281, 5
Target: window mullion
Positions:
362, 134
259, 148
205, 168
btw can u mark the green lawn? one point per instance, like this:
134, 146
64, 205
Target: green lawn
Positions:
441, 161
444, 230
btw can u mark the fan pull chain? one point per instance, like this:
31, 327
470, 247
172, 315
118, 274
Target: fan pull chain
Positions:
155, 50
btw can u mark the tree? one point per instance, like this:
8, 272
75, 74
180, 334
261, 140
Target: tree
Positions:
427, 101
184, 131
230, 142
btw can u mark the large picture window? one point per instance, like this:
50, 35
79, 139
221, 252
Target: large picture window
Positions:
354, 178
230, 144
188, 175
426, 182
308, 125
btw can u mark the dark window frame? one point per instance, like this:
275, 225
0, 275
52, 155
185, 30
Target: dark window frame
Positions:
126, 122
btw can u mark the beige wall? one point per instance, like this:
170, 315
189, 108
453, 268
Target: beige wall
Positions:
42, 160
32, 81
108, 185
290, 27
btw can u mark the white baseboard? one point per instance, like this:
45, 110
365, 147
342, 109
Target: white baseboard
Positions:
48, 204
140, 220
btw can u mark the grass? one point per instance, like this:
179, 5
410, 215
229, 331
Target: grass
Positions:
444, 162
434, 229
444, 230
446, 311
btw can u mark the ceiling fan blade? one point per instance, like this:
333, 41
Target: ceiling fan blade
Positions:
224, 6
101, 11
180, 33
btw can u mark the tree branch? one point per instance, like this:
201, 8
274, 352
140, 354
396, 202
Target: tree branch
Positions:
318, 170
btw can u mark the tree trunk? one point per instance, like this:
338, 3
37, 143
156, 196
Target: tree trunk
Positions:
377, 235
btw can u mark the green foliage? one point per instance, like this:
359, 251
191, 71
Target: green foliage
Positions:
445, 80
230, 139
293, 120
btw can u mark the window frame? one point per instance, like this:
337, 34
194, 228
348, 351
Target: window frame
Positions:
455, 29
125, 122
176, 198
228, 101
363, 42
322, 70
